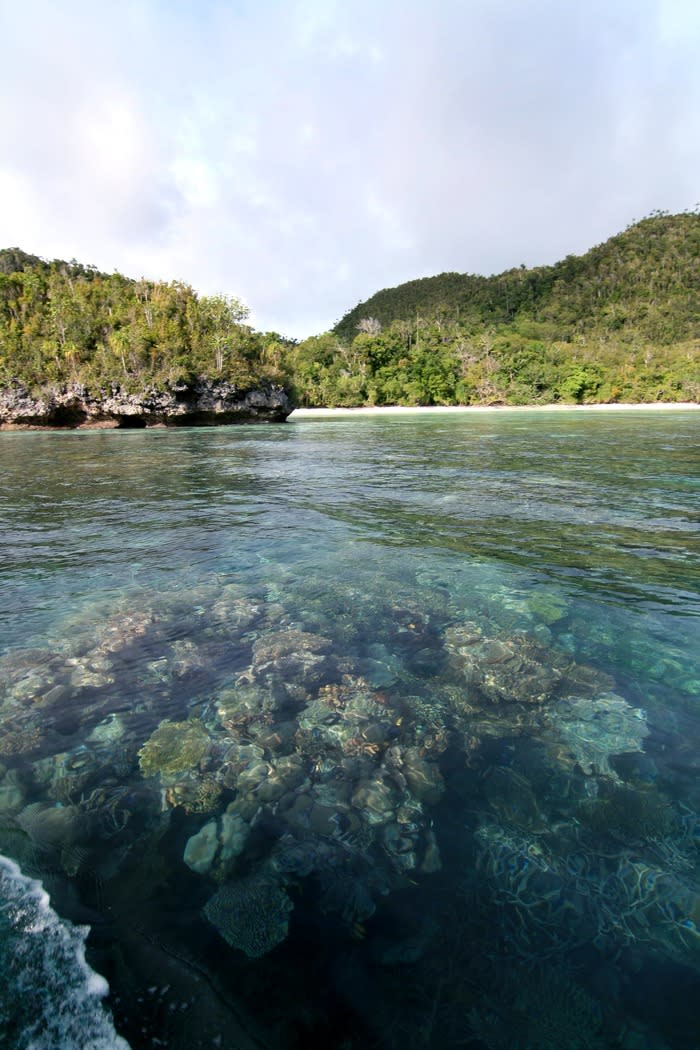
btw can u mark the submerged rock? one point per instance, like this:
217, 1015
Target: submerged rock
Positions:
11, 793
548, 607
591, 731
217, 844
504, 670
292, 658
423, 776
63, 830
376, 801
201, 849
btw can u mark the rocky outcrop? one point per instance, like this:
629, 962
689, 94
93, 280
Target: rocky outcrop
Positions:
202, 403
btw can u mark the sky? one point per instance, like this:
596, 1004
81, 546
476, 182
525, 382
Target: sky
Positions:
303, 154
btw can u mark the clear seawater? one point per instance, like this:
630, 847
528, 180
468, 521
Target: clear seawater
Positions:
437, 676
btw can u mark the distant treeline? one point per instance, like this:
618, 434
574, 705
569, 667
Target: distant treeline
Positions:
620, 323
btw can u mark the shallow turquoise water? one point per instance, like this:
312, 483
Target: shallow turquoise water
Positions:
444, 677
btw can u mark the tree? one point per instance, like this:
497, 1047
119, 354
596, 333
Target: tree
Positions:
219, 315
369, 325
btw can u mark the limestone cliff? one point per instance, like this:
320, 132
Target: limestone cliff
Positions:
202, 403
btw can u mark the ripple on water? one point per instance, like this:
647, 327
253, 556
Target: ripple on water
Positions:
360, 671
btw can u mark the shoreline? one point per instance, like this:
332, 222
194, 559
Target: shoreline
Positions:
371, 410
348, 413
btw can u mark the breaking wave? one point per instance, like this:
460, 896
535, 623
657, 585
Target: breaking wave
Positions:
50, 999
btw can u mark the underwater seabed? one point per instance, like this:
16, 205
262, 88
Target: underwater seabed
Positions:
413, 809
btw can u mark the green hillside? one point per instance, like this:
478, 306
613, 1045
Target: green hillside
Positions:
63, 322
646, 279
621, 322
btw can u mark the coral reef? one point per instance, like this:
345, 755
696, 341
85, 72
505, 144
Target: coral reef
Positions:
344, 757
221, 841
542, 1008
251, 914
591, 731
56, 829
175, 747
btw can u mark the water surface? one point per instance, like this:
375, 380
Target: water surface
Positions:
377, 731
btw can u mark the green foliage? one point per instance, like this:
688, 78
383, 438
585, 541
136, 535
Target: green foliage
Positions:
64, 322
620, 323
647, 277
582, 382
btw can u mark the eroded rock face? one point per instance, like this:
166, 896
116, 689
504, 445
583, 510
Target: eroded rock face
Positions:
203, 403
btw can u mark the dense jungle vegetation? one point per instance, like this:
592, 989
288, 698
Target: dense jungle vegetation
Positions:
68, 323
620, 323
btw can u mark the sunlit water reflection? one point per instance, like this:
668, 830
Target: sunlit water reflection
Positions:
379, 731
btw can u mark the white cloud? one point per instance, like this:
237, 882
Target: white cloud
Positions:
303, 155
196, 181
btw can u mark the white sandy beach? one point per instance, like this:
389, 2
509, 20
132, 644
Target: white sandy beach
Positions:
386, 410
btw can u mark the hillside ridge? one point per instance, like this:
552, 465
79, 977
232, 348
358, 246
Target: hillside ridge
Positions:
618, 323
661, 246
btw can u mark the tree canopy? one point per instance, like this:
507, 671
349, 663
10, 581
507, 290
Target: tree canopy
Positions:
65, 322
620, 323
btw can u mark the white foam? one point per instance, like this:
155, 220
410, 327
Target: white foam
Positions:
50, 998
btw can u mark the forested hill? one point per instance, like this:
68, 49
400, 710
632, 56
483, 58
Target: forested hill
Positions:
647, 278
64, 322
620, 323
